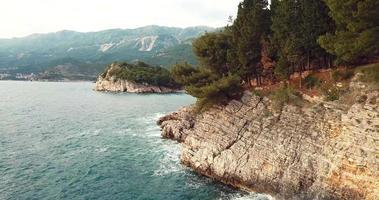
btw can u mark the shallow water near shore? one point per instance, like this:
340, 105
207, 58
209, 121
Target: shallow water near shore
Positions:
66, 141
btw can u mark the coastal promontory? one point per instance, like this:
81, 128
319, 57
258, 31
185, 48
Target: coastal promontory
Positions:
316, 150
136, 78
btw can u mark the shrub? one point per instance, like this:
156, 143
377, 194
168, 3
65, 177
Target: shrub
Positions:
311, 81
332, 92
218, 91
281, 69
370, 73
285, 95
342, 75
208, 86
257, 93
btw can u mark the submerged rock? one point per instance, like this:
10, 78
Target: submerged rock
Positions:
326, 151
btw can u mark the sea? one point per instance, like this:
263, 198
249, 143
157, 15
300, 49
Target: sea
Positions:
65, 141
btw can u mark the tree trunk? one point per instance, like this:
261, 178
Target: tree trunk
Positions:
308, 61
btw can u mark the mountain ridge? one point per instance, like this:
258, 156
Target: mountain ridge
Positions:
155, 45
107, 30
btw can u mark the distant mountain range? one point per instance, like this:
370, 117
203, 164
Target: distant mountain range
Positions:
82, 56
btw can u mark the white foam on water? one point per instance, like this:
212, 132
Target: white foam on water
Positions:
195, 184
152, 128
251, 196
124, 131
159, 115
96, 132
152, 132
170, 162
102, 150
148, 132
85, 133
149, 126
151, 118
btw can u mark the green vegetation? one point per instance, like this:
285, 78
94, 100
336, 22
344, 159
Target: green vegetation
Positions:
213, 81
357, 33
312, 81
370, 73
227, 58
273, 42
210, 87
342, 75
285, 94
86, 54
296, 26
141, 72
248, 33
281, 71
331, 92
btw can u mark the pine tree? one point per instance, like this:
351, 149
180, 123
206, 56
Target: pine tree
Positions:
296, 26
250, 27
315, 22
213, 81
357, 34
212, 51
287, 36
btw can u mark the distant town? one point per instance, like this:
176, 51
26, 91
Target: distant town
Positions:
18, 76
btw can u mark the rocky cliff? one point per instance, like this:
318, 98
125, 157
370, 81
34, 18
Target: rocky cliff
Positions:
109, 82
119, 85
319, 151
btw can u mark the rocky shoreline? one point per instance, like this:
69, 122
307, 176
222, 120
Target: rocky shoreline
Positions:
323, 151
113, 79
118, 85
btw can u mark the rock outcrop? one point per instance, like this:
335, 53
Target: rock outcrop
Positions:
324, 151
109, 82
118, 85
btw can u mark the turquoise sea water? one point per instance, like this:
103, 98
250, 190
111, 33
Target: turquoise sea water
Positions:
65, 141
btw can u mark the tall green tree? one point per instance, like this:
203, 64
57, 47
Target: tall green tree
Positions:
212, 51
357, 34
287, 35
213, 81
315, 21
251, 26
296, 26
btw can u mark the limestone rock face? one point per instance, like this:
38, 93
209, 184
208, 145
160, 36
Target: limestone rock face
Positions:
119, 85
109, 83
326, 151
176, 125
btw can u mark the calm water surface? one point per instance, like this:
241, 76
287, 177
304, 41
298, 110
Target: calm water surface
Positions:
65, 141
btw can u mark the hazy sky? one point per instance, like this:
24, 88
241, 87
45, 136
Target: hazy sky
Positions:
24, 17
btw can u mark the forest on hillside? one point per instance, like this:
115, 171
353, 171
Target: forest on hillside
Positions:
268, 43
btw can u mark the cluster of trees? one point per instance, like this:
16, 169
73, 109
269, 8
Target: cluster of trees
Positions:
141, 72
357, 30
273, 41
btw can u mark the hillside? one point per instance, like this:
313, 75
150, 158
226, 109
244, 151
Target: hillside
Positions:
69, 54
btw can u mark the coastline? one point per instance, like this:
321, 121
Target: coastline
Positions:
137, 78
119, 85
52, 81
301, 153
